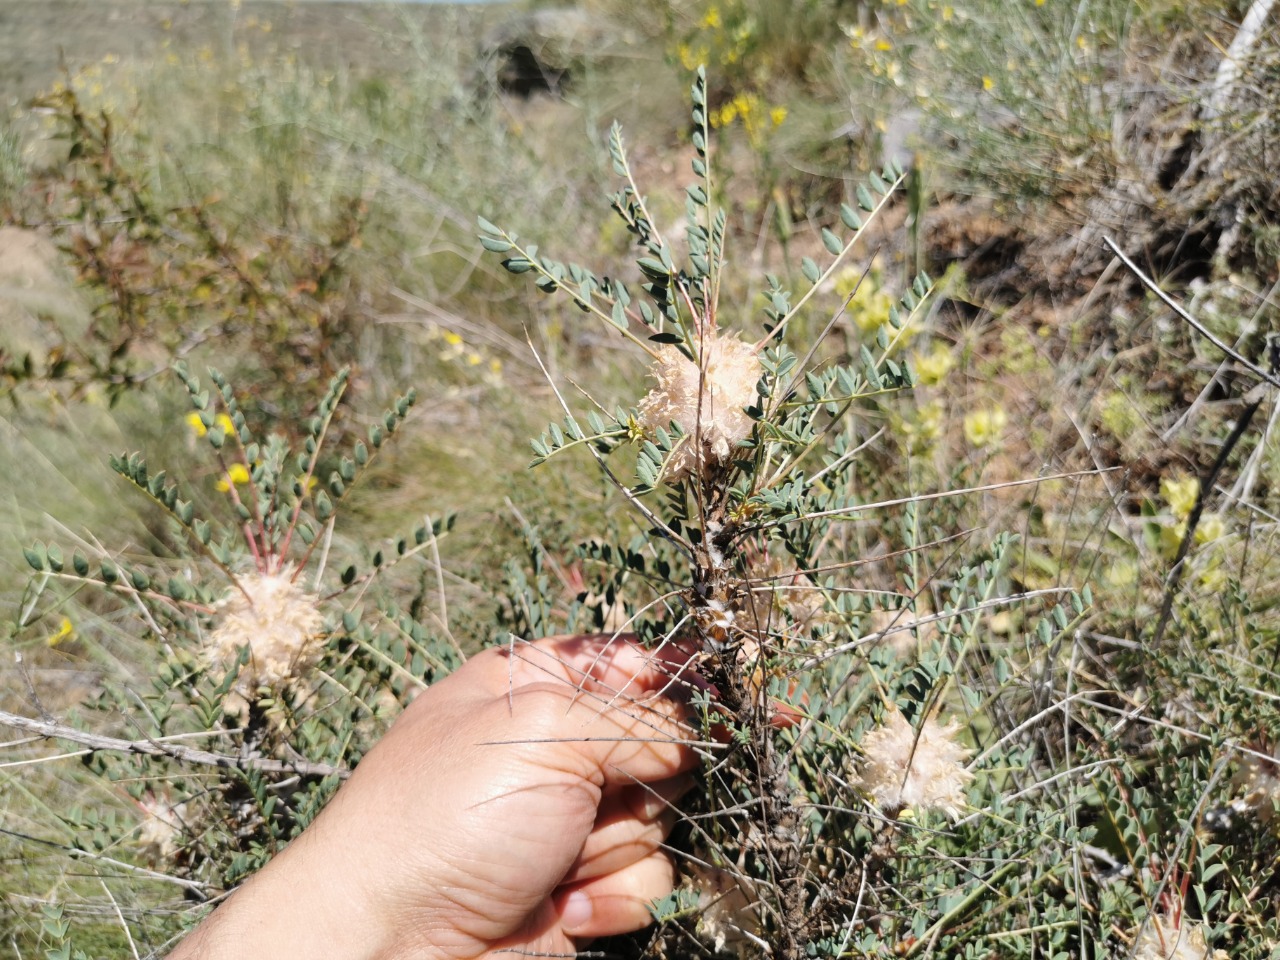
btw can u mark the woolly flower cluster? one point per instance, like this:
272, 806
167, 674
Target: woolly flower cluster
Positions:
707, 407
1258, 784
924, 771
1160, 939
726, 916
279, 623
781, 602
161, 829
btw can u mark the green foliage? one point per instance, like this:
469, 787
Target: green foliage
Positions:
747, 563
881, 519
1054, 67
288, 681
174, 277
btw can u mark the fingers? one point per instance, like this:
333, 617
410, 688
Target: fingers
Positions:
605, 664
632, 823
611, 743
617, 902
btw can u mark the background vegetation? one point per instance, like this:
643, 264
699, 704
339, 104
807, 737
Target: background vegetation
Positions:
289, 194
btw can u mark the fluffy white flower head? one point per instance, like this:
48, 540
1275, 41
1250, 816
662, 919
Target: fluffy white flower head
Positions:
780, 602
278, 621
900, 769
1258, 784
157, 837
726, 916
708, 404
1159, 939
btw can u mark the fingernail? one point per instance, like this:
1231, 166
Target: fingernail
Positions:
664, 796
653, 806
576, 911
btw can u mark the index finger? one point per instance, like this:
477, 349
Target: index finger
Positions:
607, 664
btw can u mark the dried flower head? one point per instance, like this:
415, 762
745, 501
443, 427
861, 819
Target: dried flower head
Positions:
726, 915
157, 837
780, 603
1257, 782
279, 623
1161, 939
924, 771
708, 404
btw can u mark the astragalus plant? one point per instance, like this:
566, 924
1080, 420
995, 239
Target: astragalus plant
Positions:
886, 771
281, 651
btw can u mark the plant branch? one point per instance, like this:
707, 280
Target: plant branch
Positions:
820, 283
51, 730
1192, 321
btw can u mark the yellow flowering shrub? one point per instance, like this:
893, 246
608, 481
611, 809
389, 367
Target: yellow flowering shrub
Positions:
754, 49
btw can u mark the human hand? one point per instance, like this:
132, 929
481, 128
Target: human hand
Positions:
517, 805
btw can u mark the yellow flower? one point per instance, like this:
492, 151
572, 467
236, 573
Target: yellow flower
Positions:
725, 115
1180, 495
870, 304
924, 429
712, 19
237, 474
988, 83
1170, 537
1210, 528
985, 427
222, 420
1213, 578
692, 57
451, 338
933, 368
65, 631
1120, 417
777, 115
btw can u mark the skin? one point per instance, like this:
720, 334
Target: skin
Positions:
518, 805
